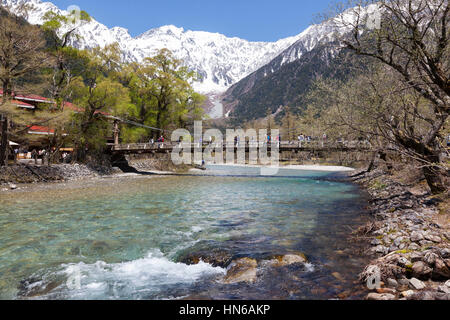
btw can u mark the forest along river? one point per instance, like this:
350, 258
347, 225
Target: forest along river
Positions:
125, 237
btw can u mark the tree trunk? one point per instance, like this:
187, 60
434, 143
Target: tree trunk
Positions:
372, 162
7, 92
434, 176
4, 141
383, 156
158, 123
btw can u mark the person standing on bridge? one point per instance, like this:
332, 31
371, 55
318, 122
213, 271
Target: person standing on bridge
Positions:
301, 138
161, 142
324, 139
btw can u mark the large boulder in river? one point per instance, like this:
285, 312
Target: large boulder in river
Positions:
207, 251
286, 260
242, 270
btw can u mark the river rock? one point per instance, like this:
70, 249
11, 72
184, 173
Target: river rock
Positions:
34, 288
338, 276
407, 293
445, 253
442, 296
416, 236
430, 258
433, 238
380, 249
426, 243
421, 270
416, 284
286, 260
425, 296
403, 282
403, 262
293, 258
393, 248
242, 270
386, 290
392, 283
376, 242
441, 271
380, 296
444, 289
398, 241
447, 262
414, 246
207, 251
416, 256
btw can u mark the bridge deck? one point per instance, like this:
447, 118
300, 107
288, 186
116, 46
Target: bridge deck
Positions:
284, 146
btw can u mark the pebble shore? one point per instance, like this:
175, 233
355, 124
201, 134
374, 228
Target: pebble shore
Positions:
410, 241
11, 176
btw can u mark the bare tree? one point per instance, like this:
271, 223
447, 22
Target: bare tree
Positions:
411, 38
21, 53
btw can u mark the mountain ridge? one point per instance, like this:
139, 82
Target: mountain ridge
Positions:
219, 60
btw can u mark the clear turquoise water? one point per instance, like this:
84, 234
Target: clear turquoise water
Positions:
122, 236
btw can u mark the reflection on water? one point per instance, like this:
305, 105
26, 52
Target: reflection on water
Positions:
123, 236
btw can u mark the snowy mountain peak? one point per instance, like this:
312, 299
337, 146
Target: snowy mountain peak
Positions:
220, 61
169, 30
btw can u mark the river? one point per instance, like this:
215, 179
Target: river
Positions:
124, 237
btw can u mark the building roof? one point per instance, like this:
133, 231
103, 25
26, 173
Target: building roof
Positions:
22, 104
19, 100
40, 130
29, 97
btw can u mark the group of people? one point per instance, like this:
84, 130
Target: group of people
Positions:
306, 139
159, 141
39, 154
302, 138
34, 155
66, 157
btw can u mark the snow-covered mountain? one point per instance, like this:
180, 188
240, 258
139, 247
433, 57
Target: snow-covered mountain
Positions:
285, 79
221, 61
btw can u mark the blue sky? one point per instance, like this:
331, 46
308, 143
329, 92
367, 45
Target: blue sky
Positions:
254, 20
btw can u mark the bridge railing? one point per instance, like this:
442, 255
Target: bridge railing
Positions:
283, 144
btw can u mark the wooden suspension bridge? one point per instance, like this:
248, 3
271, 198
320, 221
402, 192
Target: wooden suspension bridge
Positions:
284, 146
314, 146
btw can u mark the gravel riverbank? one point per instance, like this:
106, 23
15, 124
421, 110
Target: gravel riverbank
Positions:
410, 239
26, 174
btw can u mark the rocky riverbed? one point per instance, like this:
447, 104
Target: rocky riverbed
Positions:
12, 177
410, 240
25, 174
